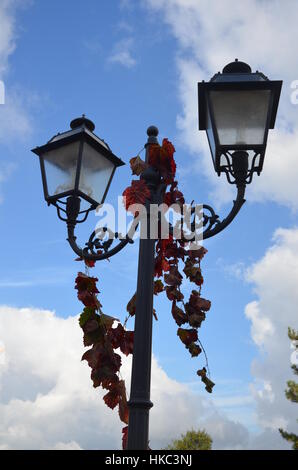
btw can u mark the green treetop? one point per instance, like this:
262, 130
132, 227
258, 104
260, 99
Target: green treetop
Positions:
292, 391
192, 440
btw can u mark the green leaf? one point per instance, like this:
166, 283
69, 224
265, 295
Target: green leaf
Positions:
87, 313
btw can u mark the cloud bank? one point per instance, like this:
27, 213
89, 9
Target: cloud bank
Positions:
275, 279
47, 400
209, 35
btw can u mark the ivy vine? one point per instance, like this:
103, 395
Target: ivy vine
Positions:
105, 334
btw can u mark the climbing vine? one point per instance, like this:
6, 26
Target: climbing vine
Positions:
105, 334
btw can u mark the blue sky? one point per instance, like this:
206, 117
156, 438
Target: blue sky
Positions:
128, 65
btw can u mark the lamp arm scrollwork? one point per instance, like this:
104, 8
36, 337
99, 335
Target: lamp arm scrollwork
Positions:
96, 248
211, 224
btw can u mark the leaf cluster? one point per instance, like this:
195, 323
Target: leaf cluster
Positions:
104, 339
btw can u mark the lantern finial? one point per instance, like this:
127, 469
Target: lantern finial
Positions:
237, 67
82, 121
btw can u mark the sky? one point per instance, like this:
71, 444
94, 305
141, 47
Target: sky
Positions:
128, 65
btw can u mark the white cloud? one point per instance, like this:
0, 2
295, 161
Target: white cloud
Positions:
226, 433
47, 400
275, 279
122, 53
7, 34
209, 35
15, 122
262, 326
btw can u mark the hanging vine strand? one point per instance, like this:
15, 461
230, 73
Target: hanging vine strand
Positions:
105, 334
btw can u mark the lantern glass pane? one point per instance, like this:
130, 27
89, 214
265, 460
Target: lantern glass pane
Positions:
61, 167
96, 172
240, 116
210, 135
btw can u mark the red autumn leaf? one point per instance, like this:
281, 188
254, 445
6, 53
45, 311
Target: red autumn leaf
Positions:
137, 165
88, 299
195, 320
137, 193
131, 306
168, 146
161, 265
161, 158
89, 263
168, 248
196, 308
203, 304
123, 407
208, 383
174, 294
111, 399
194, 349
167, 166
103, 377
124, 437
164, 243
187, 336
115, 336
95, 355
193, 272
197, 254
86, 287
120, 338
90, 326
174, 278
88, 283
102, 355
173, 251
106, 321
174, 197
179, 316
154, 155
114, 395
126, 346
98, 375
196, 303
113, 361
158, 286
88, 340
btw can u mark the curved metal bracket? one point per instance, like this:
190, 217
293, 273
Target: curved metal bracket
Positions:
211, 224
214, 225
100, 248
96, 249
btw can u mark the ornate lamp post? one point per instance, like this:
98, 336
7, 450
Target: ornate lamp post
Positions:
236, 108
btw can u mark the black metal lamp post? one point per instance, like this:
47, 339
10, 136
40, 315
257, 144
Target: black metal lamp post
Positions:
236, 108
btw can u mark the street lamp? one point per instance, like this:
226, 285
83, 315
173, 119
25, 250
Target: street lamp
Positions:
77, 163
236, 108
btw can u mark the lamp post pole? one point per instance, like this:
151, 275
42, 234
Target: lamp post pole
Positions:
139, 403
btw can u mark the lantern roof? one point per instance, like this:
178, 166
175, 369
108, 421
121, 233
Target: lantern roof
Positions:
237, 75
81, 129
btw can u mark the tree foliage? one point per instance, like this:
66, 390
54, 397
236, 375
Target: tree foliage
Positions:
192, 440
292, 391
